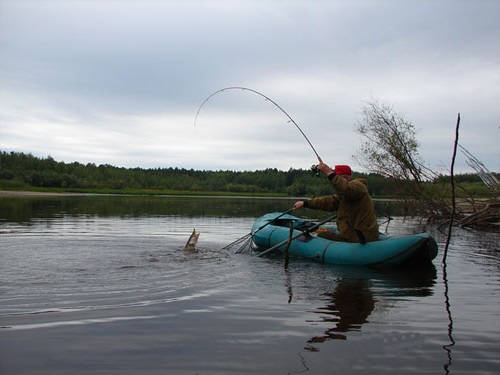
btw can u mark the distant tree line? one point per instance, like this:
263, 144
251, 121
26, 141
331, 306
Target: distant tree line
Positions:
19, 170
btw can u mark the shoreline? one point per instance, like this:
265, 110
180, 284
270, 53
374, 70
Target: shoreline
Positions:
27, 193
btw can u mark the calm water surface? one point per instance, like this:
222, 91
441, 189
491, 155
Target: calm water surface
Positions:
102, 285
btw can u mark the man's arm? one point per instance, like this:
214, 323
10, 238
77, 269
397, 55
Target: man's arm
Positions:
327, 203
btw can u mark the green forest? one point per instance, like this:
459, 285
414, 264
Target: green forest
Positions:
20, 171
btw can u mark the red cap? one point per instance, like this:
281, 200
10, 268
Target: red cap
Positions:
343, 170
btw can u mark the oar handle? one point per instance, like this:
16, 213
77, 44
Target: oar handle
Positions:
261, 227
273, 220
298, 235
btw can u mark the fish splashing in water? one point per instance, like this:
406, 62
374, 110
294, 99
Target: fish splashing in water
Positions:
192, 241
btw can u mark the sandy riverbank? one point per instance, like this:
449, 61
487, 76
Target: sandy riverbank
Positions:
25, 193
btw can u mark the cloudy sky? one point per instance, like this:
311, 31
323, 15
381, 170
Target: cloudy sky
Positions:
119, 82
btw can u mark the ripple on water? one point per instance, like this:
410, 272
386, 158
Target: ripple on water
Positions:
127, 279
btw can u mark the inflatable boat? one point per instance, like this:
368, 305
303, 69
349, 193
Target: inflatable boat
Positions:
275, 230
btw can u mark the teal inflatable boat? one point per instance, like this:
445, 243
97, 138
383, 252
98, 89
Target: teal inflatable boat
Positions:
274, 228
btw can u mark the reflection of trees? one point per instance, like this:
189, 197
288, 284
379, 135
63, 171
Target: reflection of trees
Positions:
24, 209
352, 300
447, 304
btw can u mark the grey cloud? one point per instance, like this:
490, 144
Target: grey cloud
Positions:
92, 60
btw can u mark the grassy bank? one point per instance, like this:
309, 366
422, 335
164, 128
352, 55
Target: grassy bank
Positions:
474, 190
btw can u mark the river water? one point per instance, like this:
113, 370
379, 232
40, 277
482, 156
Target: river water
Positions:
102, 285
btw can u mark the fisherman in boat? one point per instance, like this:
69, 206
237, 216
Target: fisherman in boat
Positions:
356, 219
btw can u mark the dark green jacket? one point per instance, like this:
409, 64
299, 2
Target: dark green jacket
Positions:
354, 206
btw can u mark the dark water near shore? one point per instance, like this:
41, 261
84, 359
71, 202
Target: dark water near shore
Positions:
102, 285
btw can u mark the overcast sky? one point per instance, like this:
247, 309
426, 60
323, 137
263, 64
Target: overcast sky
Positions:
119, 82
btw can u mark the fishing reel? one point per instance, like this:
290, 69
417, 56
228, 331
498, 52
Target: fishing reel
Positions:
315, 170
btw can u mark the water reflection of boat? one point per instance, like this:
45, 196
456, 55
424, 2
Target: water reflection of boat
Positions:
351, 299
388, 251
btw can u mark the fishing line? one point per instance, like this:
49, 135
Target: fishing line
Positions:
266, 98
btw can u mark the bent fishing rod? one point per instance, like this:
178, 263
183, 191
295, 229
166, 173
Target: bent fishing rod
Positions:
266, 98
